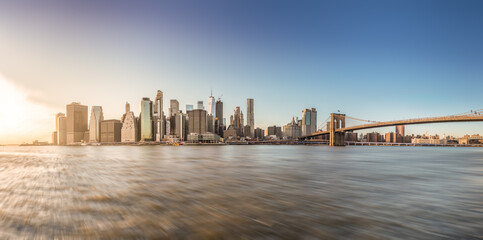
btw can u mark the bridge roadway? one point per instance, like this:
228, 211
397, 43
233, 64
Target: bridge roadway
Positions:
455, 118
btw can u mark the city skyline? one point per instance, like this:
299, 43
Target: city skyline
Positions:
393, 60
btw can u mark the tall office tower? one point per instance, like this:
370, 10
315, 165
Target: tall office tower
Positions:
200, 105
219, 116
159, 116
242, 120
129, 130
76, 122
237, 118
111, 131
210, 123
250, 117
61, 128
400, 130
189, 107
146, 120
95, 124
211, 105
309, 121
180, 124
232, 120
173, 107
197, 121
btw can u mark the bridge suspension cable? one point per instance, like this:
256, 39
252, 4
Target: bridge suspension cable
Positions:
362, 120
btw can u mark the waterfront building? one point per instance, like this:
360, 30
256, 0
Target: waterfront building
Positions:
61, 128
374, 137
76, 122
173, 107
429, 141
203, 138
274, 131
200, 105
210, 123
197, 121
54, 138
129, 130
111, 131
230, 133
159, 118
180, 125
400, 130
219, 117
391, 137
146, 120
351, 136
292, 130
250, 117
309, 121
259, 133
95, 123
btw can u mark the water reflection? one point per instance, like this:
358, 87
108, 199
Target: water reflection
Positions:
249, 192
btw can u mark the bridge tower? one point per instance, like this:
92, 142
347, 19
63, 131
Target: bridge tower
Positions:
337, 120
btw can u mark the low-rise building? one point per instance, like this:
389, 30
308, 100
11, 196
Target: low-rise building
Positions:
111, 131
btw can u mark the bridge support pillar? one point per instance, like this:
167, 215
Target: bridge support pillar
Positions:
337, 121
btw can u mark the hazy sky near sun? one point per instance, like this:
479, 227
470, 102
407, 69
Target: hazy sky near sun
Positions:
377, 60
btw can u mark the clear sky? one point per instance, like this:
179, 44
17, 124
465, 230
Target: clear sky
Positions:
377, 60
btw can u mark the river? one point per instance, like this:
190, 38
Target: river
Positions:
248, 192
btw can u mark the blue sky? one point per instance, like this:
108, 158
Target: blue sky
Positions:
378, 60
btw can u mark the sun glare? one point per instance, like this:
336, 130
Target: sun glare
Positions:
20, 119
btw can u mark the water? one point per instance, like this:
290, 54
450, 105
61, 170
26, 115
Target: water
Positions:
250, 192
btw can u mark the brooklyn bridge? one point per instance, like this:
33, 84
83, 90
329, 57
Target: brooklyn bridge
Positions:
336, 125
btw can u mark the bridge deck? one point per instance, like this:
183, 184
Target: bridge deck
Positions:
465, 118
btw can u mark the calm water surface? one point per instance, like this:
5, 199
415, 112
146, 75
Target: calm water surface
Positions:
250, 192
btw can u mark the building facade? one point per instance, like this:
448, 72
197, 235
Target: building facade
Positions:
292, 130
197, 121
146, 120
95, 124
309, 121
76, 122
129, 130
111, 131
159, 118
250, 117
61, 128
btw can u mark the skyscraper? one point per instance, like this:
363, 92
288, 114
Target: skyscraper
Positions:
160, 128
61, 128
200, 105
250, 117
197, 121
95, 124
129, 130
173, 107
76, 122
189, 107
219, 117
146, 120
309, 121
110, 131
211, 105
400, 130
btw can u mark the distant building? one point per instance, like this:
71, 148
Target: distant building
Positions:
351, 136
54, 138
259, 133
374, 137
309, 121
95, 123
146, 120
200, 105
159, 118
76, 122
129, 130
400, 130
230, 133
197, 121
203, 138
111, 131
210, 123
211, 105
274, 130
180, 126
391, 137
189, 107
429, 141
292, 130
250, 117
219, 117
61, 128
174, 107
